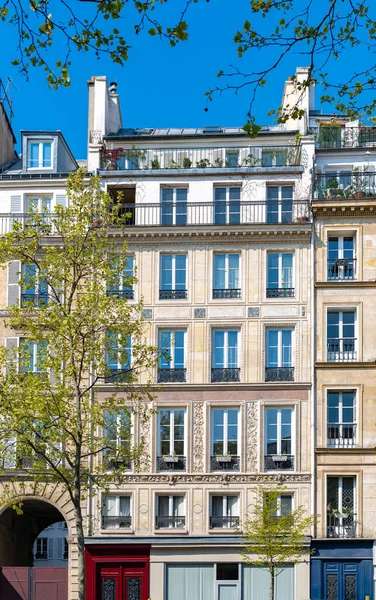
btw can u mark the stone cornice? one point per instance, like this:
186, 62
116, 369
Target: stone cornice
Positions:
345, 451
210, 387
336, 285
344, 207
218, 478
345, 365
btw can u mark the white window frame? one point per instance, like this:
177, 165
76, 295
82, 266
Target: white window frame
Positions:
228, 201
23, 340
171, 348
280, 346
224, 507
173, 270
40, 142
279, 502
279, 429
119, 365
225, 347
171, 504
225, 429
117, 508
227, 269
174, 201
341, 310
40, 541
340, 415
172, 424
38, 200
280, 254
352, 234
340, 496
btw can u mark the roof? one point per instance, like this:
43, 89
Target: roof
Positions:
190, 132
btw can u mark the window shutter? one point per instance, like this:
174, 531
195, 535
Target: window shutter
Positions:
11, 345
14, 269
61, 200
59, 548
50, 548
15, 204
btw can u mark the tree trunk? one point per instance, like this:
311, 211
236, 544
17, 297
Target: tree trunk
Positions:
272, 583
80, 553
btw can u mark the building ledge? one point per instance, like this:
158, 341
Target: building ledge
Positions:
345, 451
335, 284
345, 365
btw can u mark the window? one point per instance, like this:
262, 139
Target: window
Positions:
232, 158
116, 512
40, 204
341, 257
33, 356
226, 282
279, 451
224, 511
341, 420
276, 157
174, 206
171, 441
39, 155
225, 439
341, 507
170, 512
121, 285
279, 355
173, 277
171, 356
34, 290
118, 357
279, 279
41, 548
225, 361
226, 205
279, 201
117, 435
341, 340
66, 550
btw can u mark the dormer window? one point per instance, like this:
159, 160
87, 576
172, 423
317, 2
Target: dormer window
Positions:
39, 154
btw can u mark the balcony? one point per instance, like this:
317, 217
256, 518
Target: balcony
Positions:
118, 293
279, 374
113, 463
169, 522
341, 269
279, 462
116, 522
173, 294
285, 292
341, 350
117, 375
225, 375
351, 185
224, 522
345, 137
229, 293
33, 300
226, 158
171, 463
172, 375
341, 435
225, 463
341, 525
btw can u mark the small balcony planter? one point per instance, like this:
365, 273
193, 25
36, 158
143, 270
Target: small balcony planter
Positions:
171, 459
224, 459
279, 458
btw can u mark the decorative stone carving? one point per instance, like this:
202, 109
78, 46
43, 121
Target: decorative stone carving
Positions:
198, 437
145, 435
252, 429
254, 311
147, 313
199, 313
224, 479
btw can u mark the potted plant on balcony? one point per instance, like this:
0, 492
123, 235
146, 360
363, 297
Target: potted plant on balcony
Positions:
224, 458
332, 187
359, 182
204, 163
155, 164
171, 458
187, 163
280, 457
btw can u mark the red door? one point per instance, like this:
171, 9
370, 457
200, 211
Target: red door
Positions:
123, 582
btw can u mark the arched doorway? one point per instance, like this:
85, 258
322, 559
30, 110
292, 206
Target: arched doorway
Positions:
19, 576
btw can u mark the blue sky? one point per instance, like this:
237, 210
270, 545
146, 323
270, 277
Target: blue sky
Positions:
159, 86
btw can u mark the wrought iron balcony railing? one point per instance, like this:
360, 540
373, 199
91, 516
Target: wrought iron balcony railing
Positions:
128, 294
135, 159
171, 463
33, 299
345, 185
227, 293
116, 522
341, 350
341, 268
169, 522
116, 375
172, 375
225, 463
114, 463
224, 522
341, 525
225, 375
285, 292
341, 435
173, 294
279, 374
345, 137
279, 462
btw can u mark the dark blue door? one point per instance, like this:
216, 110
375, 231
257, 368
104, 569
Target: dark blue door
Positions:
341, 581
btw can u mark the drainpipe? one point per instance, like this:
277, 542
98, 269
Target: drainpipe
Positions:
313, 371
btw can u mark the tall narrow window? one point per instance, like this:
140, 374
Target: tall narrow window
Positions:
39, 155
341, 421
341, 507
225, 359
341, 257
226, 281
116, 512
280, 275
117, 435
279, 365
341, 340
279, 453
226, 205
279, 200
174, 206
33, 356
170, 512
34, 289
41, 548
121, 285
118, 357
173, 283
171, 440
225, 439
171, 356
224, 511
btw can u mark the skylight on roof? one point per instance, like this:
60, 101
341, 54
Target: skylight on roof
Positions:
212, 129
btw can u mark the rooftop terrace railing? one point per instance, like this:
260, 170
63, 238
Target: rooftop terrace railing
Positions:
345, 185
199, 158
344, 137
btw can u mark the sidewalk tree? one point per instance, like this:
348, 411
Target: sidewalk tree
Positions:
54, 427
275, 536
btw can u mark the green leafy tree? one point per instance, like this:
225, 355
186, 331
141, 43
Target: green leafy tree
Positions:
54, 426
274, 536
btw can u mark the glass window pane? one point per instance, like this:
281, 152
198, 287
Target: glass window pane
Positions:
47, 154
34, 155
